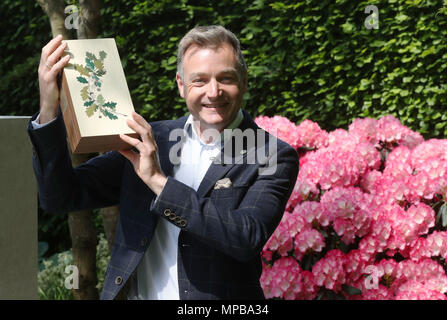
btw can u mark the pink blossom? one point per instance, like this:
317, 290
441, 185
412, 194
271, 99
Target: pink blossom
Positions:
309, 239
282, 280
310, 135
390, 130
347, 209
345, 186
365, 130
434, 245
280, 127
414, 290
301, 192
312, 212
329, 271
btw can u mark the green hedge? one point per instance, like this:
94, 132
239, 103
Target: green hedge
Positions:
307, 59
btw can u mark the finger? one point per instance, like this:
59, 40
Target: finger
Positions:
132, 141
129, 155
142, 131
60, 65
55, 56
142, 122
50, 47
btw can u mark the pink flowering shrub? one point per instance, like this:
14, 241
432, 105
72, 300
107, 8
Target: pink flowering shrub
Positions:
367, 218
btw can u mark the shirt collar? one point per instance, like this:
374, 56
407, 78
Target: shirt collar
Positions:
190, 131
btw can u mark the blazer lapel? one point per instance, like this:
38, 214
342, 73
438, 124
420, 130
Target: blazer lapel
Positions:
219, 169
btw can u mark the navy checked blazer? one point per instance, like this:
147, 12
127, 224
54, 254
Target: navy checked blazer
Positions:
223, 230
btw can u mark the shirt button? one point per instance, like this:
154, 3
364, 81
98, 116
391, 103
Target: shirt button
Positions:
118, 280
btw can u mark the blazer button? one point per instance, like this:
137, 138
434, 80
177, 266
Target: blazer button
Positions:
177, 219
172, 216
167, 212
118, 280
182, 223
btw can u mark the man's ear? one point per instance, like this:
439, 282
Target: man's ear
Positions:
180, 85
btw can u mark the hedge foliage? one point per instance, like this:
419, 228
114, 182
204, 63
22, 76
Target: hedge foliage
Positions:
307, 59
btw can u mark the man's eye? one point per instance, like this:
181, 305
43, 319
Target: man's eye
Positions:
228, 79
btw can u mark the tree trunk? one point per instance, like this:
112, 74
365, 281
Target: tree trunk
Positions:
55, 12
83, 240
109, 220
81, 225
90, 19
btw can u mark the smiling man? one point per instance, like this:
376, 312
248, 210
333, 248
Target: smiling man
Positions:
188, 229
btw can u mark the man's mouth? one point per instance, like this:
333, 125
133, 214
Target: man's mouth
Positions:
214, 105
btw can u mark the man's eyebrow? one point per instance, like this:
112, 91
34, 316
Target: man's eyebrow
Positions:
201, 74
197, 74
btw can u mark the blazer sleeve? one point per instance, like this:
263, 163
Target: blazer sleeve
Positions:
239, 220
61, 187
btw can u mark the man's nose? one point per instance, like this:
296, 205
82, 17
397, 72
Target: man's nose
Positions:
213, 90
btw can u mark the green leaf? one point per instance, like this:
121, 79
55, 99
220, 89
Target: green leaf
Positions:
99, 65
351, 290
111, 105
82, 80
100, 100
442, 214
88, 103
89, 63
108, 114
82, 70
100, 73
90, 56
84, 93
91, 110
102, 55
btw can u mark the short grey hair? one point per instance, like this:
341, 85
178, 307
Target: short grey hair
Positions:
210, 37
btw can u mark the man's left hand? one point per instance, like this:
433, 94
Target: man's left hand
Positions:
146, 164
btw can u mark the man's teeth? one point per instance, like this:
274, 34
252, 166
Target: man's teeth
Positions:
213, 105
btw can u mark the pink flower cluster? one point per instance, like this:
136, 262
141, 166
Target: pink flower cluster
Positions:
361, 214
285, 279
280, 127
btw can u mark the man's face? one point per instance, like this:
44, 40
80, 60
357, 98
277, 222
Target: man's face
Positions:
211, 86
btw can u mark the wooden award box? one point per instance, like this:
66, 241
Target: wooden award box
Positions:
95, 99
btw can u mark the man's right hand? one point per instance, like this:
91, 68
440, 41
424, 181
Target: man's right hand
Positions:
50, 66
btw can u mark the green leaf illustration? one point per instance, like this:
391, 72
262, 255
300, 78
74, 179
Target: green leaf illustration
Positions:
89, 63
91, 110
83, 71
110, 115
98, 64
90, 56
102, 55
82, 80
111, 105
84, 93
100, 73
94, 69
100, 100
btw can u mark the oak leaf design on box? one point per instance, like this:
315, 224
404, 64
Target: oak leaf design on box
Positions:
90, 74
